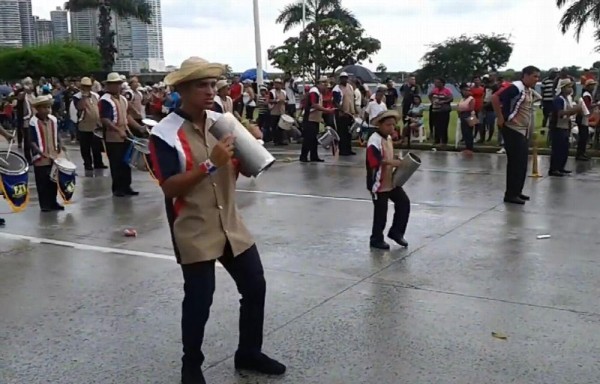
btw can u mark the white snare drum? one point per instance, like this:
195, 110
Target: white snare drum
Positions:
139, 152
328, 138
149, 122
62, 165
286, 122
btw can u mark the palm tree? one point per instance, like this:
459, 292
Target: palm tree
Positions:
578, 14
316, 10
138, 9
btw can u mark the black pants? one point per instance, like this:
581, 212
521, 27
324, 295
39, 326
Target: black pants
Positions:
406, 108
380, 208
547, 107
343, 123
46, 188
119, 170
250, 112
238, 106
560, 149
310, 145
440, 121
279, 135
466, 129
582, 140
199, 286
290, 109
517, 153
91, 149
24, 139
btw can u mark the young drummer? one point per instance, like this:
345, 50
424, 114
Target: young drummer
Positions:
380, 165
45, 147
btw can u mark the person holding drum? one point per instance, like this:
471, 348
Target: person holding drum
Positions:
86, 103
198, 178
313, 114
45, 148
116, 122
380, 166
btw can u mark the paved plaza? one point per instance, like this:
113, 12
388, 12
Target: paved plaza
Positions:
80, 303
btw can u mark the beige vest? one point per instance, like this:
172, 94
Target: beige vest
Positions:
137, 106
119, 104
348, 99
49, 131
279, 108
314, 115
90, 118
387, 170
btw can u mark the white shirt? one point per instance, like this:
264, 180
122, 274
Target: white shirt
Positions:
357, 98
374, 108
291, 95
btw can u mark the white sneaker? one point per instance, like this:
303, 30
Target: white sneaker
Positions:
501, 151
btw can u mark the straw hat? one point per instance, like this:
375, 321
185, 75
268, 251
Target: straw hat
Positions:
590, 82
194, 68
42, 100
384, 115
221, 84
86, 82
114, 77
277, 80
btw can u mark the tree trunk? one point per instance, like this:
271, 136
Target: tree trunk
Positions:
106, 39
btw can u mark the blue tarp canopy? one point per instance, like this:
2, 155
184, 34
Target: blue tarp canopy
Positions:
250, 74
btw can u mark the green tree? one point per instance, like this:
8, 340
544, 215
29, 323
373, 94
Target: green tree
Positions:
326, 45
459, 58
138, 9
316, 10
578, 13
59, 60
381, 68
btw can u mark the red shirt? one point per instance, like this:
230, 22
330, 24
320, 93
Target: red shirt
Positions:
328, 99
236, 91
478, 93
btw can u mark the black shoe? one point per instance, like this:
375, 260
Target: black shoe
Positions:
131, 192
398, 239
47, 209
514, 200
119, 194
88, 168
555, 173
58, 207
524, 197
101, 166
2, 222
582, 158
304, 160
260, 363
380, 245
317, 160
192, 376
565, 171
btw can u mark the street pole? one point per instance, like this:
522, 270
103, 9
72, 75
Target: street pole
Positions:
259, 64
303, 15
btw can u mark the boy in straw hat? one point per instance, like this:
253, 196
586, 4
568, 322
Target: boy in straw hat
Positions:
45, 147
380, 166
116, 121
198, 177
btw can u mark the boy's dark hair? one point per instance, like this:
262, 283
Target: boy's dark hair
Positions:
529, 70
464, 86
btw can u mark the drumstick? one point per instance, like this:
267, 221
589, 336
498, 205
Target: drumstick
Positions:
10, 147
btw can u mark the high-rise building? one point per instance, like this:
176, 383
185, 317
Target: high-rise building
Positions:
140, 45
84, 27
28, 33
44, 31
10, 24
60, 24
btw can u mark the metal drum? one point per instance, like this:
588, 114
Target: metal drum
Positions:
356, 127
62, 165
14, 180
138, 154
410, 163
286, 122
328, 138
254, 158
12, 164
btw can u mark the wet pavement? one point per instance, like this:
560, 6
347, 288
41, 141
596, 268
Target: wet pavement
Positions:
81, 303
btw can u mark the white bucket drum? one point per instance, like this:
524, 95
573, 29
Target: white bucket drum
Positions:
149, 122
62, 165
356, 127
286, 122
328, 138
410, 163
139, 151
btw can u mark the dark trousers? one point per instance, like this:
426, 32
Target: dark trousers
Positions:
560, 149
440, 121
119, 170
279, 135
344, 122
310, 145
582, 140
238, 106
264, 122
380, 208
91, 149
290, 109
199, 286
517, 153
466, 129
406, 108
547, 107
489, 123
46, 188
24, 139
250, 112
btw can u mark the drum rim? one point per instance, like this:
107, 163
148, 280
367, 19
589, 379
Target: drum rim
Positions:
23, 169
71, 168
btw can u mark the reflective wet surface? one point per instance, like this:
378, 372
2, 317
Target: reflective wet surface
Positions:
81, 303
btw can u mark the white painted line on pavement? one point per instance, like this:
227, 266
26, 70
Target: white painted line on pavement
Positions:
308, 196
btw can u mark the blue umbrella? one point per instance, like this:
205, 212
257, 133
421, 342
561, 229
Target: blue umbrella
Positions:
250, 74
5, 90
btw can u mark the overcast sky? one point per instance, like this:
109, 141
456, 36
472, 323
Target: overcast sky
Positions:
223, 30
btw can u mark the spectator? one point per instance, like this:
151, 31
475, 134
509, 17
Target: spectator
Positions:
441, 99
